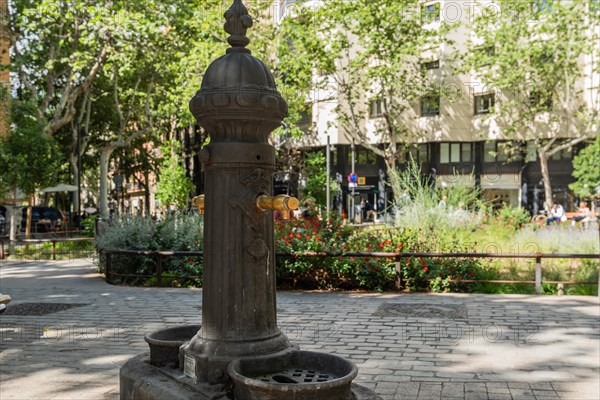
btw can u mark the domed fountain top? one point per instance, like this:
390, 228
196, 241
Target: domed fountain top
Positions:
238, 100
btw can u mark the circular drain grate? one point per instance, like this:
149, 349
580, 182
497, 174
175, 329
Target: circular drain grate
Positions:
37, 309
298, 376
422, 310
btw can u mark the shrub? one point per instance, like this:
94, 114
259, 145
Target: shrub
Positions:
177, 232
435, 274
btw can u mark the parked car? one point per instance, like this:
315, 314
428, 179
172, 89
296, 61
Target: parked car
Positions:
44, 219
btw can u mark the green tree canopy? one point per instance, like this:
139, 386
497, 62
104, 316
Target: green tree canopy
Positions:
586, 170
28, 158
315, 175
174, 187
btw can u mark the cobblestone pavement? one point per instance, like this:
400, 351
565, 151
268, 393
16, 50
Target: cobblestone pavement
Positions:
406, 346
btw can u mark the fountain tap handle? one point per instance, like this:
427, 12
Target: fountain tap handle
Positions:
198, 201
281, 202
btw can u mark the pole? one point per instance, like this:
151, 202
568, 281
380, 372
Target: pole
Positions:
328, 186
78, 172
351, 213
538, 276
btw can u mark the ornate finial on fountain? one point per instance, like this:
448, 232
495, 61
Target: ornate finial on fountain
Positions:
238, 22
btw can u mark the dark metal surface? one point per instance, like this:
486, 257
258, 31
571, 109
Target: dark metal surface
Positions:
420, 310
239, 106
164, 344
298, 375
38, 309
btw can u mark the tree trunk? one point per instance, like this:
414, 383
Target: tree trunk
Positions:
76, 177
104, 159
390, 164
549, 201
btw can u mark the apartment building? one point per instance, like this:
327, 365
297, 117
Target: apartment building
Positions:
457, 140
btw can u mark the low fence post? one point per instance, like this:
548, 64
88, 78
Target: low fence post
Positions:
538, 275
158, 269
107, 266
54, 250
398, 267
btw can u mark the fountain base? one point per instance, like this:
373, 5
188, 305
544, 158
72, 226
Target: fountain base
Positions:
140, 380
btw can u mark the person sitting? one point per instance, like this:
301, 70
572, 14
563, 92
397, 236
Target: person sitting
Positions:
370, 213
583, 214
557, 212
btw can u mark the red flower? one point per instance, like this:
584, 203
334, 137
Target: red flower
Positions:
422, 262
425, 269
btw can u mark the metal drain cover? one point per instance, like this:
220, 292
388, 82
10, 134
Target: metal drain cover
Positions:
422, 310
297, 376
37, 309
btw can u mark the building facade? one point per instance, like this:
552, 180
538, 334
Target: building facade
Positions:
458, 140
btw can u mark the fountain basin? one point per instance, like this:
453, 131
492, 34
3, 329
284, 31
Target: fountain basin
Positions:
164, 344
293, 375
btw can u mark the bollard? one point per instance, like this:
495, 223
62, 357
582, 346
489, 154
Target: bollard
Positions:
398, 268
538, 275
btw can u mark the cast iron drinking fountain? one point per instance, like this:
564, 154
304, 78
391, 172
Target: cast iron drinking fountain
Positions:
238, 352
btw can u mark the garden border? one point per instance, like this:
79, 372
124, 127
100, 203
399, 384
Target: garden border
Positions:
158, 255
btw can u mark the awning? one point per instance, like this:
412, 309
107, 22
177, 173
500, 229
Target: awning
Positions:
61, 187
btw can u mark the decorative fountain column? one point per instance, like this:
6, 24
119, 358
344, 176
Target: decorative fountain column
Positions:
238, 350
239, 106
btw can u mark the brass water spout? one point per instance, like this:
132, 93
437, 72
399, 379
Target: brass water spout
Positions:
198, 201
281, 202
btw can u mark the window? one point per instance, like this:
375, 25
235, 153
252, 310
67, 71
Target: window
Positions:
431, 13
430, 105
484, 104
423, 155
454, 153
427, 66
484, 54
364, 156
502, 152
419, 153
564, 154
305, 119
376, 108
543, 102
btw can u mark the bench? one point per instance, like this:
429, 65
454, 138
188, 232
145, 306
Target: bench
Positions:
585, 222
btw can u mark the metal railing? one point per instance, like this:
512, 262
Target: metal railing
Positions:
397, 257
157, 256
36, 249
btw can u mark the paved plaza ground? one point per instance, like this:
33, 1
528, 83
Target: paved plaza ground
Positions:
407, 346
